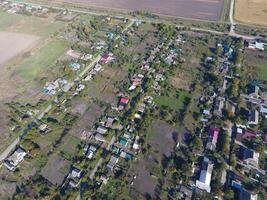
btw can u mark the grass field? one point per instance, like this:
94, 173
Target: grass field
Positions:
42, 59
172, 102
262, 71
251, 11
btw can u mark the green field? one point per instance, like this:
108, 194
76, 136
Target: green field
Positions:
172, 102
29, 24
7, 20
41, 60
262, 74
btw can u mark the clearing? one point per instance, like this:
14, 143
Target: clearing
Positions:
251, 11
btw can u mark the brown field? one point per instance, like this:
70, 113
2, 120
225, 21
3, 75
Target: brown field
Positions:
194, 9
13, 44
251, 11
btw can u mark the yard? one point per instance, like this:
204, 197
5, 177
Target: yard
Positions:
251, 11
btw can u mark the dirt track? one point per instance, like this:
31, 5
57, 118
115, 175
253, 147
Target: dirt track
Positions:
195, 9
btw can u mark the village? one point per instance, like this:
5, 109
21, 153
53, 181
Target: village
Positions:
138, 110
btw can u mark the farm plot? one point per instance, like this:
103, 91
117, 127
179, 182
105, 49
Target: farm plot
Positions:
251, 11
56, 170
204, 9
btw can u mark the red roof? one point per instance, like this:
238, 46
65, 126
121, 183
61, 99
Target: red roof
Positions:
124, 100
214, 132
105, 57
247, 135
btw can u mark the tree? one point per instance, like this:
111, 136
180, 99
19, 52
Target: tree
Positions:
232, 160
229, 194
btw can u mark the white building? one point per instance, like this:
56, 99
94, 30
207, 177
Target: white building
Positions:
17, 157
205, 176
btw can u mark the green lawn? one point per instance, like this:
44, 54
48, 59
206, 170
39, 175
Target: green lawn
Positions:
41, 60
6, 20
262, 72
171, 101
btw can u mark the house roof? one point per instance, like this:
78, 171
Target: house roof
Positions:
248, 134
124, 100
263, 109
214, 132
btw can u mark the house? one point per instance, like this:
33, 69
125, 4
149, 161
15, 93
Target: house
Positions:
136, 82
249, 156
109, 122
104, 179
254, 45
263, 110
100, 138
136, 143
112, 162
213, 137
76, 173
75, 66
102, 130
107, 58
91, 151
44, 128
17, 157
248, 134
185, 193
253, 118
127, 156
86, 57
123, 102
247, 195
205, 176
73, 184
80, 87
73, 54
254, 91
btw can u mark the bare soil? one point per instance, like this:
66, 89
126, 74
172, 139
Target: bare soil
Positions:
195, 9
13, 44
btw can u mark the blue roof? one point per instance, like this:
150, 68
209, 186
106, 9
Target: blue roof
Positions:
263, 109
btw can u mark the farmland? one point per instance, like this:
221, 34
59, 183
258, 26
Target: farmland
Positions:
205, 10
251, 11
